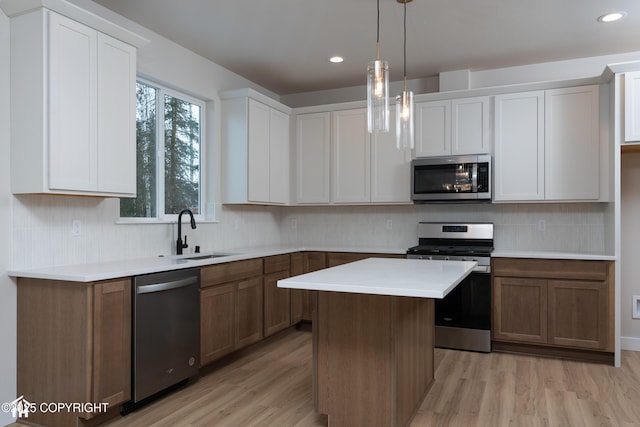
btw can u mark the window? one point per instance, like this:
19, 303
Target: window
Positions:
169, 129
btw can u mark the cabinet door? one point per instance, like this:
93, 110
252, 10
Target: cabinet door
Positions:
572, 144
519, 146
351, 173
520, 309
277, 304
258, 161
72, 105
116, 116
313, 261
279, 181
313, 135
297, 295
578, 315
390, 168
217, 322
470, 126
112, 342
248, 316
632, 106
433, 128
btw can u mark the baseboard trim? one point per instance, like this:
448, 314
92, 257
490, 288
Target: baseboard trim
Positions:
555, 352
630, 343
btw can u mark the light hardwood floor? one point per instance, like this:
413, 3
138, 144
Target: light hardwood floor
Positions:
270, 385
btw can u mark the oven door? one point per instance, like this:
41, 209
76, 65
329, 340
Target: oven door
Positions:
463, 317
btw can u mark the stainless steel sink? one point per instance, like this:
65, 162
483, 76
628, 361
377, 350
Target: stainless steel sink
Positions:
208, 256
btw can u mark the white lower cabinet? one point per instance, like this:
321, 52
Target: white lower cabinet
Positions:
73, 108
547, 145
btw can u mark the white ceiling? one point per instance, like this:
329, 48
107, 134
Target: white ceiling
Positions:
284, 45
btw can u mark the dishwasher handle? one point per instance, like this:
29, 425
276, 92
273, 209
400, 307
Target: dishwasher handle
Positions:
159, 287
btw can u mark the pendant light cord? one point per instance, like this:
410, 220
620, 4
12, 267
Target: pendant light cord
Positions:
405, 46
378, 32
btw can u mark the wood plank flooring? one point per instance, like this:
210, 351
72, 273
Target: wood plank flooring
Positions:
270, 385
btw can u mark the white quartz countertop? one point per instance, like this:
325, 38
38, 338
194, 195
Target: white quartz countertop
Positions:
386, 276
502, 253
92, 272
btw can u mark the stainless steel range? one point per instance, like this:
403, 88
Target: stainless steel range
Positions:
463, 318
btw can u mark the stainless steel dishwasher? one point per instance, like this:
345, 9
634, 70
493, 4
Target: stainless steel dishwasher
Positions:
166, 332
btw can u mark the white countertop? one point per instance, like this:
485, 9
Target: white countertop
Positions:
505, 253
386, 276
92, 272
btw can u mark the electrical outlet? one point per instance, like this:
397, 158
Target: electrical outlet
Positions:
76, 227
636, 307
389, 224
542, 225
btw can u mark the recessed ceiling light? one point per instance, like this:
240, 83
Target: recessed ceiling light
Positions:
336, 59
611, 17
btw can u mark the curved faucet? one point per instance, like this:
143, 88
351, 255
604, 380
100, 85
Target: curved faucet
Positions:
179, 244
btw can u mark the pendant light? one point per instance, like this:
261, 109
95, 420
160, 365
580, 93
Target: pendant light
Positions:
404, 101
378, 89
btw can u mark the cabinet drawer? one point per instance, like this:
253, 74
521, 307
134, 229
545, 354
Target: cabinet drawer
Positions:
276, 263
550, 268
339, 258
230, 271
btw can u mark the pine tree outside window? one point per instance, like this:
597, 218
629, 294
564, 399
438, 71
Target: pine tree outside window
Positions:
169, 129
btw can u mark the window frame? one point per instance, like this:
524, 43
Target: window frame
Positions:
161, 215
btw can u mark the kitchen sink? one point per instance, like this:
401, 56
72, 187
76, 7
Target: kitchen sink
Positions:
208, 256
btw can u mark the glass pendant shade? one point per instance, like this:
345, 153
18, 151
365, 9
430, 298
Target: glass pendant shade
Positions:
404, 120
378, 96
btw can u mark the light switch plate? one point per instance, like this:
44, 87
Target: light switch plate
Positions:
636, 307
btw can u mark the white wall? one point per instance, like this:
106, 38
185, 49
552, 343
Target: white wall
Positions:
630, 280
7, 286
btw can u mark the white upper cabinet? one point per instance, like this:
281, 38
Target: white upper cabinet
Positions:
73, 105
632, 106
350, 157
335, 147
313, 139
255, 148
547, 145
452, 127
572, 143
367, 168
390, 168
433, 128
519, 146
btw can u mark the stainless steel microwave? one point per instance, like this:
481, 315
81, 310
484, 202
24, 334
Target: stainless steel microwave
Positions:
456, 178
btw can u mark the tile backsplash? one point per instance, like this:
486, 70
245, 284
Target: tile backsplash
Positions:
42, 228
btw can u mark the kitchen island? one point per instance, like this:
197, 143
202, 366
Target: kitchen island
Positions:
373, 332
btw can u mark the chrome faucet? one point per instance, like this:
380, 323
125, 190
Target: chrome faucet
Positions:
179, 244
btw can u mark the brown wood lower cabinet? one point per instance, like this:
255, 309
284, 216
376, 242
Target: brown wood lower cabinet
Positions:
230, 307
553, 303
74, 345
296, 295
277, 301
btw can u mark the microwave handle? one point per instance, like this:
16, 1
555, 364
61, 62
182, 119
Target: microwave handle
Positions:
474, 177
